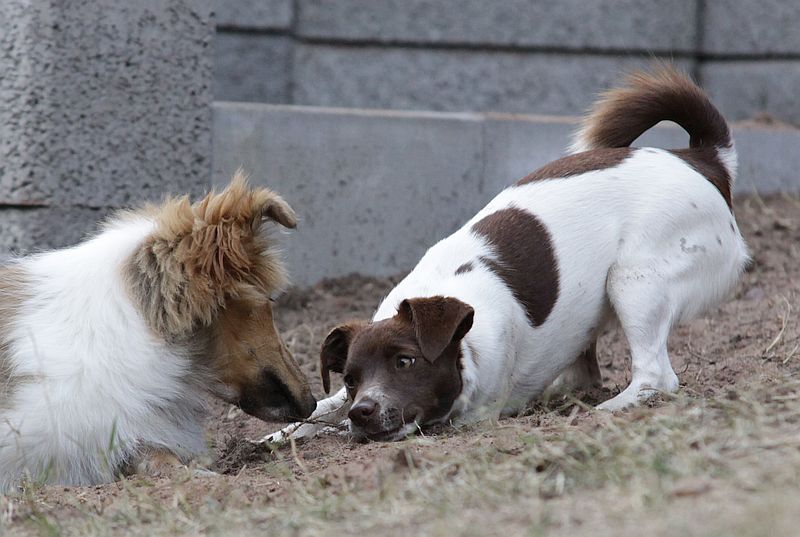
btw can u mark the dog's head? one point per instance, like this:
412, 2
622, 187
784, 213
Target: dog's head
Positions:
203, 280
401, 372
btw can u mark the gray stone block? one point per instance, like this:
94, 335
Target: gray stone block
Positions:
667, 25
769, 160
373, 190
104, 102
751, 27
454, 80
517, 145
35, 229
254, 14
252, 67
743, 89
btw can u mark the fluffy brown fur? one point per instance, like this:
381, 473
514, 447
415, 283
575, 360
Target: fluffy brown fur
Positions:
202, 254
203, 280
647, 97
663, 94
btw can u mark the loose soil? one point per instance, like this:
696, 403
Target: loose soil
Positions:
751, 341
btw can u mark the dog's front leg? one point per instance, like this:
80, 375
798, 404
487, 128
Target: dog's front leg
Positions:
329, 412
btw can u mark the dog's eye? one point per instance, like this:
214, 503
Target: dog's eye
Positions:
349, 382
404, 362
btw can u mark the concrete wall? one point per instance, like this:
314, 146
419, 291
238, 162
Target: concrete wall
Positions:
108, 103
375, 189
104, 104
522, 56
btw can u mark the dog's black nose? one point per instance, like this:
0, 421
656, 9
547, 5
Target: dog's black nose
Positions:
361, 412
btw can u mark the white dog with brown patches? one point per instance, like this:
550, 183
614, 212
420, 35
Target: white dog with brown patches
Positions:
108, 348
494, 314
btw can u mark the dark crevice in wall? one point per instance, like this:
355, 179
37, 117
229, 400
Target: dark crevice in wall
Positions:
229, 29
699, 21
290, 83
484, 47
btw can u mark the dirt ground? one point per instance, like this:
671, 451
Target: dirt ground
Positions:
746, 350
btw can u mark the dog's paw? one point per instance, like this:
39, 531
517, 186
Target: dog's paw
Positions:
634, 396
154, 462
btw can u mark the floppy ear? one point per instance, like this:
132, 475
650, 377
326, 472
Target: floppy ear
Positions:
278, 210
438, 321
333, 355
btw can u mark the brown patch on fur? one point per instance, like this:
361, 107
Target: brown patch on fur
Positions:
249, 354
203, 279
665, 94
588, 161
525, 260
704, 160
466, 267
12, 294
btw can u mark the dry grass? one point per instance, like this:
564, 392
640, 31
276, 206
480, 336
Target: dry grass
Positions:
721, 458
690, 467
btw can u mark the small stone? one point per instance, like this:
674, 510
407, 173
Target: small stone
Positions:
691, 487
755, 294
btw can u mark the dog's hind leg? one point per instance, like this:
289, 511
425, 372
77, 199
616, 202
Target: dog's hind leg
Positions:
584, 373
640, 298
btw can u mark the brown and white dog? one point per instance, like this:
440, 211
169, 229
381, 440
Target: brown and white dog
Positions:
495, 313
108, 348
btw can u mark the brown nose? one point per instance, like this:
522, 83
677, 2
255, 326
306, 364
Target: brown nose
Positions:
361, 412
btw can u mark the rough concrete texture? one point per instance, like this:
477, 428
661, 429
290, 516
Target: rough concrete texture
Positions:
644, 25
751, 27
437, 54
372, 190
30, 230
743, 89
453, 80
104, 102
769, 160
375, 189
252, 67
254, 14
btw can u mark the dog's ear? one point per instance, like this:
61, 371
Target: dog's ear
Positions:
280, 211
438, 321
333, 355
201, 255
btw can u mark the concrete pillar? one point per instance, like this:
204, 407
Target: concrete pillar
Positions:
103, 103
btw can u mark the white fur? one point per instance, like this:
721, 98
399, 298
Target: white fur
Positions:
650, 240
92, 385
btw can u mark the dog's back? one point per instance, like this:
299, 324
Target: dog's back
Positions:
565, 243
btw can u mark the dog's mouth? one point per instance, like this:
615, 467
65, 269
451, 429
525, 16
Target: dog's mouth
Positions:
401, 432
280, 414
284, 413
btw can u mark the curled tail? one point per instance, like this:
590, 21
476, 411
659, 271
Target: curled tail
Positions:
621, 115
